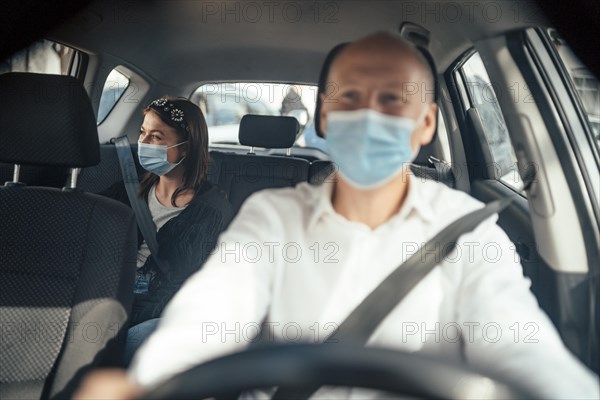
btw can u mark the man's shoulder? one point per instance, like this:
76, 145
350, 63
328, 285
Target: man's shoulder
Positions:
445, 201
279, 209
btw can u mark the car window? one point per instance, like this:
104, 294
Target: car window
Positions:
114, 87
483, 98
43, 57
586, 84
224, 105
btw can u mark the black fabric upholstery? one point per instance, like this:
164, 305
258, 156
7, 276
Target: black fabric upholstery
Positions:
100, 177
33, 175
103, 297
68, 258
268, 131
22, 390
319, 171
94, 179
68, 264
442, 175
46, 120
106, 173
240, 175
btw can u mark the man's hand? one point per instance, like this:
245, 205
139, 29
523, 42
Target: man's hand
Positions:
107, 384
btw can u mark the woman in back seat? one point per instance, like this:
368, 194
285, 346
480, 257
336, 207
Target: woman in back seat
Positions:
188, 211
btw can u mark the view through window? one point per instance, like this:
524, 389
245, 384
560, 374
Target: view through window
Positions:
224, 105
42, 57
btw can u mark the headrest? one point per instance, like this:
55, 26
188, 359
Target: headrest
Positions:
268, 131
46, 120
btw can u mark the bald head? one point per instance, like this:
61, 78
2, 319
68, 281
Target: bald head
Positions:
383, 73
380, 46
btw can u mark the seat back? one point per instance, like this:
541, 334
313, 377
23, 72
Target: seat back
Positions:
98, 178
321, 171
35, 175
240, 175
68, 258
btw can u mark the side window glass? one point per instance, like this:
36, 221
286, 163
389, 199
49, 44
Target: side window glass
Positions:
114, 87
585, 83
483, 97
43, 57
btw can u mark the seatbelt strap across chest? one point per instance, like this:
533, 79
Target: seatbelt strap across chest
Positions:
138, 204
358, 327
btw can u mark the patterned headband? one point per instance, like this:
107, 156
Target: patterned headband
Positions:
169, 112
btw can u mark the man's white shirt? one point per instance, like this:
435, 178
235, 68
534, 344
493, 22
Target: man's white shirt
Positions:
288, 260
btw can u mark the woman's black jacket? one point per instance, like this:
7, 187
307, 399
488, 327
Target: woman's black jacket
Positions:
185, 242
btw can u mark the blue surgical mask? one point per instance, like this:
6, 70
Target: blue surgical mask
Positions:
153, 158
368, 147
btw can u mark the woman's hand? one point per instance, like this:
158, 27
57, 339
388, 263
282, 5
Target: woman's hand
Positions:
107, 384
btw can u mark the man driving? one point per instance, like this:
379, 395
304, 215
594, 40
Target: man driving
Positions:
299, 260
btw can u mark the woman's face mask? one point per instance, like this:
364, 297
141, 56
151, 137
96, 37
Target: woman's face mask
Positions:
368, 147
153, 158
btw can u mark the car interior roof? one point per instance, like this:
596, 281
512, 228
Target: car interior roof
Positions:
183, 43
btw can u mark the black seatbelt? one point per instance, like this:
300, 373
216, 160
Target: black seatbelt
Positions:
366, 317
138, 204
443, 171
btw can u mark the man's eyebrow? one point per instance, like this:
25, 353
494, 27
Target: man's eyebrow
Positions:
396, 84
392, 84
348, 82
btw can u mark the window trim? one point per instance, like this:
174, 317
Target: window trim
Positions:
116, 68
453, 84
545, 87
563, 118
488, 154
446, 143
550, 107
79, 65
462, 94
569, 84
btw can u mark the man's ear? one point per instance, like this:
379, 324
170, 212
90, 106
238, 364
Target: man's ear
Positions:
429, 124
322, 114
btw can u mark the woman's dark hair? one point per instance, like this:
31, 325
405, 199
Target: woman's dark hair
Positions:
192, 128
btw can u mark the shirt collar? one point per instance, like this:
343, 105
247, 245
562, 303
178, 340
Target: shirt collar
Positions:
321, 202
416, 200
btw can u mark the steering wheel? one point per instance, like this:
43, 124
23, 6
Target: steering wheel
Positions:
308, 365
